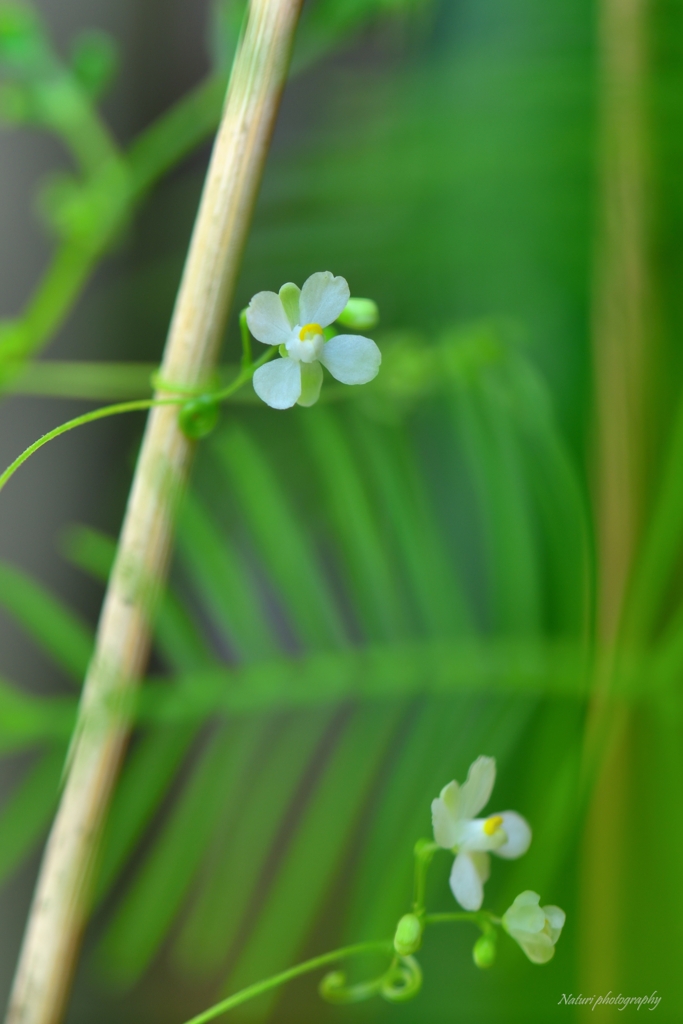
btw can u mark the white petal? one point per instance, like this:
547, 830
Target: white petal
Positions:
528, 898
311, 382
524, 917
473, 835
278, 383
539, 948
465, 882
482, 863
450, 795
351, 358
444, 822
476, 791
555, 917
323, 297
267, 319
517, 830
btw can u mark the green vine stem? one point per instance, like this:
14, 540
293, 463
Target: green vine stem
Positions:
242, 378
62, 898
149, 157
399, 982
284, 976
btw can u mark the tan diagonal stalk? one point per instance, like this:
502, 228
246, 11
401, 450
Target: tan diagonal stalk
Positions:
622, 340
60, 905
621, 306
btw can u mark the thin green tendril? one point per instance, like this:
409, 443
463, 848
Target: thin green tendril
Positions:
134, 406
79, 421
294, 972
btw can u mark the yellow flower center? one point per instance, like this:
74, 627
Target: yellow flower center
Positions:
310, 331
492, 824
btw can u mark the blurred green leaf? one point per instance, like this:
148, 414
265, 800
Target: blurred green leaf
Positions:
144, 916
56, 629
376, 672
494, 460
240, 853
220, 574
29, 721
281, 540
314, 854
176, 635
365, 561
148, 773
25, 816
402, 504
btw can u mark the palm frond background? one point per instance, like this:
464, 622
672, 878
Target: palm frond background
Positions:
368, 594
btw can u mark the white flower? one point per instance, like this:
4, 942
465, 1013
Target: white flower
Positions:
535, 928
294, 319
456, 828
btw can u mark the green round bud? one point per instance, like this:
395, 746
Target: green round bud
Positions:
408, 937
94, 60
198, 417
359, 315
18, 23
484, 952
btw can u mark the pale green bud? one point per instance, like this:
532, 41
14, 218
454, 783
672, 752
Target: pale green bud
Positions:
198, 417
408, 937
484, 952
359, 315
94, 61
535, 928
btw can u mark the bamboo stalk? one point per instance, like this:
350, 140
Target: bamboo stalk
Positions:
621, 301
61, 901
622, 361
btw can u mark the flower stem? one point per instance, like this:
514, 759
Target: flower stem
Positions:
284, 976
445, 918
79, 421
482, 918
62, 898
424, 852
244, 375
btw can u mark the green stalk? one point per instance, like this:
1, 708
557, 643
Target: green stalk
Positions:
284, 976
622, 345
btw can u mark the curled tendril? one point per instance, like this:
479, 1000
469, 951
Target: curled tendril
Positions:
399, 983
402, 981
334, 989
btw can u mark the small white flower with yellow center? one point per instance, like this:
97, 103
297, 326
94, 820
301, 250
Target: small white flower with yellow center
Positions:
294, 320
456, 828
535, 928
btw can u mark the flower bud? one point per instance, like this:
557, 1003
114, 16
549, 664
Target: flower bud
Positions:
94, 60
21, 43
359, 315
408, 937
198, 417
484, 952
535, 928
